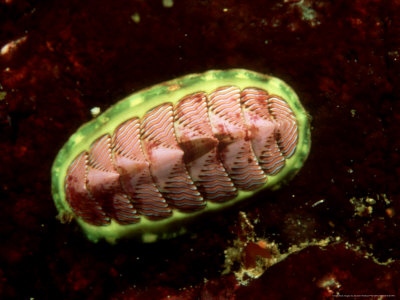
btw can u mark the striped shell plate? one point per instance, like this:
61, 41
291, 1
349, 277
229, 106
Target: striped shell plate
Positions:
212, 140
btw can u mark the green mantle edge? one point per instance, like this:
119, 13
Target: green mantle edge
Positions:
136, 105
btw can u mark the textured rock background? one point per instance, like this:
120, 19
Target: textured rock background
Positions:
59, 59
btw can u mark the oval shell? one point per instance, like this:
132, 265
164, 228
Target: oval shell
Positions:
172, 152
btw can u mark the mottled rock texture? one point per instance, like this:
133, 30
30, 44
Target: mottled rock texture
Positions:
59, 59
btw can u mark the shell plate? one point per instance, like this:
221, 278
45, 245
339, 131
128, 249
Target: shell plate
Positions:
169, 153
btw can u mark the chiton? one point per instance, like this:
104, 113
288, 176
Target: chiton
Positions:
172, 152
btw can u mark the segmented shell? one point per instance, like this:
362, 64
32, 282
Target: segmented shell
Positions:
195, 152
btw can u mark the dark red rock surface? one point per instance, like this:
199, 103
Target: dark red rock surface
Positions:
343, 59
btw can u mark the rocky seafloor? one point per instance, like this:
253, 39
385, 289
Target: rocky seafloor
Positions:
332, 232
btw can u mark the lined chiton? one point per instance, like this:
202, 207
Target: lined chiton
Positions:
177, 150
